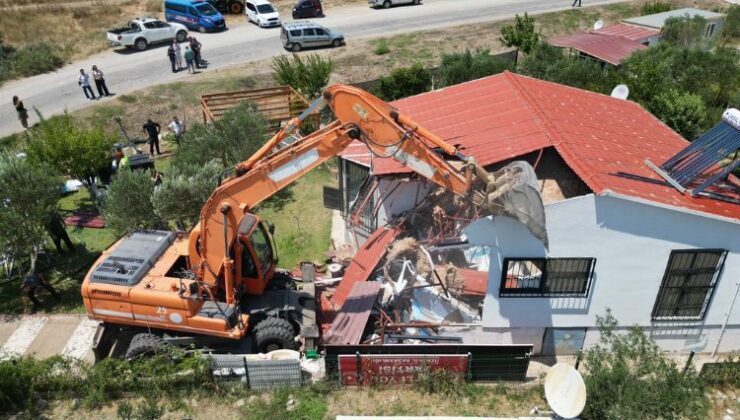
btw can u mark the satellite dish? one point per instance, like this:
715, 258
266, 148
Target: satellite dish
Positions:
598, 25
565, 391
621, 92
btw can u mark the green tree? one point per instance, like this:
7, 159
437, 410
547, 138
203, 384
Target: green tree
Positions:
683, 112
230, 140
308, 75
548, 63
405, 82
128, 206
460, 67
538, 62
627, 376
731, 27
28, 197
71, 149
185, 190
521, 35
687, 32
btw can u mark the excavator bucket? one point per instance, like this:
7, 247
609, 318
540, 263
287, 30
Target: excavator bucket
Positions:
513, 191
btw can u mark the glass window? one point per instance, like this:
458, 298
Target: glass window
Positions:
320, 31
206, 9
295, 32
262, 248
688, 284
250, 6
265, 8
524, 277
309, 32
249, 269
150, 25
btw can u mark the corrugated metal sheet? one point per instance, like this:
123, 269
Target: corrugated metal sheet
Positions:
633, 33
350, 321
611, 49
604, 140
364, 262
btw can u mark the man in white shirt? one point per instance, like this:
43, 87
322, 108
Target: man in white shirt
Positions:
177, 128
84, 82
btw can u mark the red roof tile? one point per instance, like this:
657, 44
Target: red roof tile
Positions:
612, 49
633, 33
604, 140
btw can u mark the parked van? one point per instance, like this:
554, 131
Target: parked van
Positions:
298, 35
308, 9
195, 14
262, 12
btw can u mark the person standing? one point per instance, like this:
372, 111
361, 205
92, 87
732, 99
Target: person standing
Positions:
100, 82
178, 54
152, 130
195, 46
58, 233
171, 56
574, 3
84, 82
177, 128
189, 57
22, 112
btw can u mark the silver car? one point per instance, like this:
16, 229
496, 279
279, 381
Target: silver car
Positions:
388, 3
298, 35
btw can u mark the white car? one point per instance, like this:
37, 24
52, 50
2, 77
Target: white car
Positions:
388, 3
262, 12
142, 32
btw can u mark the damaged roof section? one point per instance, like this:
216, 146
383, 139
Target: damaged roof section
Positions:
604, 140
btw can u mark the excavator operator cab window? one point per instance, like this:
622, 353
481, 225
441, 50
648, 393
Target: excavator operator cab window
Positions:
262, 248
249, 269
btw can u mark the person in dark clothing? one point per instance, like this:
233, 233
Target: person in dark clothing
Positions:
172, 57
55, 227
195, 47
100, 81
574, 3
152, 130
22, 112
28, 287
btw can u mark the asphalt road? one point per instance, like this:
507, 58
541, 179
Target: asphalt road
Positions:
52, 93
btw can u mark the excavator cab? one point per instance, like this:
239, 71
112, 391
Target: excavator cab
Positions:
256, 255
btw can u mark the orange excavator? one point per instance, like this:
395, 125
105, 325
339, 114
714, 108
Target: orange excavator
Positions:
218, 287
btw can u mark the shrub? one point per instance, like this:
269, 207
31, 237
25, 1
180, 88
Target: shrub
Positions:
128, 205
655, 7
405, 82
725, 374
461, 67
308, 75
627, 376
682, 111
685, 32
34, 59
184, 191
381, 47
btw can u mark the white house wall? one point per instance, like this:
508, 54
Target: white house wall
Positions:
402, 198
632, 243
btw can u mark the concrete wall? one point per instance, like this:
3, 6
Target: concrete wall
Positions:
631, 243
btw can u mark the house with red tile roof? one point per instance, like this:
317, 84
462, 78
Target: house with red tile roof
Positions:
620, 236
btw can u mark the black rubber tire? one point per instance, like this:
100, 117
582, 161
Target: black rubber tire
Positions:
295, 47
336, 43
236, 7
318, 14
181, 36
141, 44
386, 4
145, 344
273, 334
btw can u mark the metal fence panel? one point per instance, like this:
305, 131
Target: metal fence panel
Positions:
268, 374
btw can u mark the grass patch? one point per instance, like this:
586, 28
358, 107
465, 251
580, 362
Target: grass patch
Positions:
302, 226
381, 47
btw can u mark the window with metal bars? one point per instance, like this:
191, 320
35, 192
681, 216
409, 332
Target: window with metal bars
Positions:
688, 284
543, 277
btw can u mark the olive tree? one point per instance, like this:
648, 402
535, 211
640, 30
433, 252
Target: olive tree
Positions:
308, 75
520, 35
71, 149
128, 206
184, 191
28, 198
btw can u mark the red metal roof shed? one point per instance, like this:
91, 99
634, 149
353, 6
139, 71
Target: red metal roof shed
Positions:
633, 33
611, 49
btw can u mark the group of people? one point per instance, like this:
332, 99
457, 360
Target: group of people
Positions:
84, 82
152, 130
191, 54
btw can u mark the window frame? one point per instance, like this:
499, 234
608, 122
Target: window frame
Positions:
543, 290
671, 272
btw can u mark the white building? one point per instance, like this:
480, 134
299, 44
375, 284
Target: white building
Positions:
657, 21
619, 236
